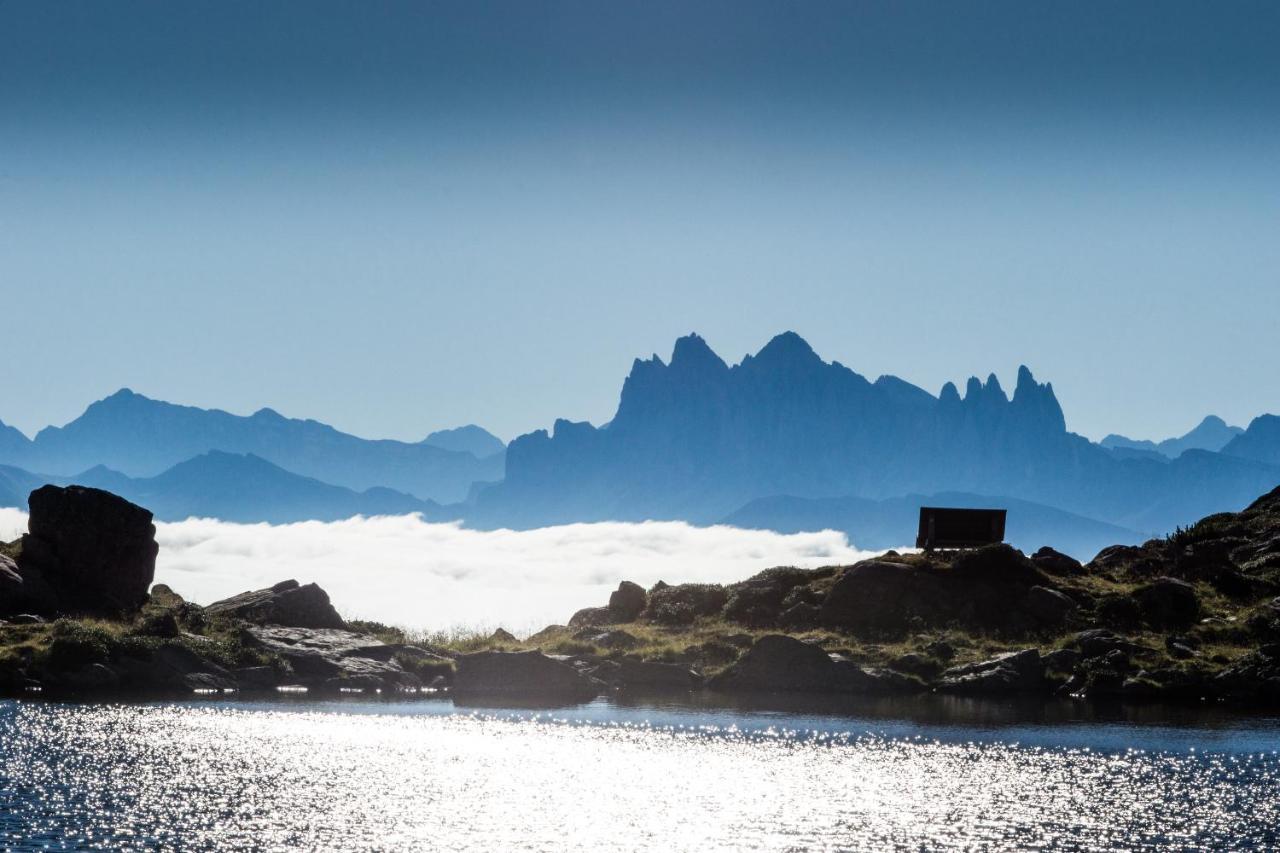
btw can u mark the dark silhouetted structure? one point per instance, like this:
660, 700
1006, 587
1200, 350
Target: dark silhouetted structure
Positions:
945, 527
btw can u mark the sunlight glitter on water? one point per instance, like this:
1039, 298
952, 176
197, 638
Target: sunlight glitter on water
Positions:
252, 777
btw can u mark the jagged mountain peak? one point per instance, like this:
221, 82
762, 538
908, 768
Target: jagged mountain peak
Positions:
692, 351
787, 348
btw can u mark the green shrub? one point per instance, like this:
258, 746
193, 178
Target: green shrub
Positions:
75, 644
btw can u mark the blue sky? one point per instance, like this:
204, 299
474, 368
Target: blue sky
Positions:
396, 217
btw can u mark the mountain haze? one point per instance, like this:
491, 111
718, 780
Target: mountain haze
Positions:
1260, 442
1212, 433
141, 437
231, 487
477, 441
697, 439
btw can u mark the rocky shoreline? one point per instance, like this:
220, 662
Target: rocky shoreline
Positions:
1194, 618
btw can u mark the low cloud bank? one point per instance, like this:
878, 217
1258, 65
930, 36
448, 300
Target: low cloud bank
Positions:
405, 571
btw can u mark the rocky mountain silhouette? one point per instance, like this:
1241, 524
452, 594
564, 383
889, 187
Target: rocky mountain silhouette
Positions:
141, 437
1260, 442
477, 441
697, 439
231, 487
1212, 433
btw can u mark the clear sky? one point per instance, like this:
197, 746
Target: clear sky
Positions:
396, 217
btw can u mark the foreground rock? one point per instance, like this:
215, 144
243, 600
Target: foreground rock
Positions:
778, 663
334, 658
527, 676
287, 603
86, 552
988, 587
1015, 672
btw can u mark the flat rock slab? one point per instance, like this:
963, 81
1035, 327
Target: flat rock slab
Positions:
329, 653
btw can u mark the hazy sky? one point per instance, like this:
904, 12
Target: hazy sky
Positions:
396, 217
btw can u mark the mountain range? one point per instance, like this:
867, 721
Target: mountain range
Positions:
141, 437
782, 440
1212, 433
698, 439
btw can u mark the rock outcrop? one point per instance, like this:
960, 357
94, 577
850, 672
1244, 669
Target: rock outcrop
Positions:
333, 658
288, 603
986, 588
86, 551
1015, 672
777, 663
521, 676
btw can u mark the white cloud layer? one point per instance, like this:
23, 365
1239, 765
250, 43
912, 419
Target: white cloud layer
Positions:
402, 570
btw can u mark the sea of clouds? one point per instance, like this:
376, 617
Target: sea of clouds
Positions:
405, 571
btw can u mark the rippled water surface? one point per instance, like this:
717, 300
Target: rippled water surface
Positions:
385, 776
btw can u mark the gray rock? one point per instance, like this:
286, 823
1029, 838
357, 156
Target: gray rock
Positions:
1097, 642
627, 602
1014, 672
256, 678
916, 664
591, 617
778, 663
1048, 606
208, 681
1056, 563
652, 675
287, 603
618, 640
527, 675
1168, 603
1061, 660
318, 654
95, 550
91, 678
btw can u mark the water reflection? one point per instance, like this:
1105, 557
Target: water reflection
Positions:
363, 774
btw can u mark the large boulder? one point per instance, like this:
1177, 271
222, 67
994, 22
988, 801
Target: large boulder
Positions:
521, 676
627, 602
653, 675
287, 603
321, 655
1048, 606
984, 589
1168, 603
777, 663
1056, 563
1014, 672
95, 551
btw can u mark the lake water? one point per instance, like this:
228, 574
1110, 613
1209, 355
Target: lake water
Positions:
384, 775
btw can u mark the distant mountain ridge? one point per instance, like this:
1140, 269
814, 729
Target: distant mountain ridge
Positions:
781, 439
1260, 442
477, 441
697, 439
141, 437
230, 487
1212, 433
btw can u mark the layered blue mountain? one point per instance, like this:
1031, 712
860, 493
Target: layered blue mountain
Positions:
1212, 433
697, 439
477, 441
141, 437
1260, 442
231, 487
